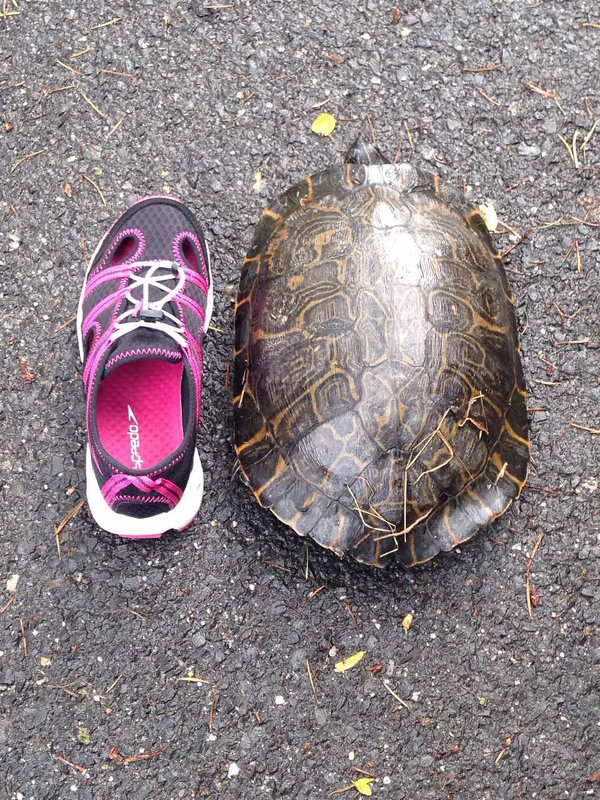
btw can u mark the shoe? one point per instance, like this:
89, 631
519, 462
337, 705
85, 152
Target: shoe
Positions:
145, 307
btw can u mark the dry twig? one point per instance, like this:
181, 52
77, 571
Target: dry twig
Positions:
78, 767
528, 578
23, 159
112, 21
65, 324
314, 593
213, 708
119, 759
77, 72
312, 681
115, 128
93, 105
593, 431
508, 743
96, 187
8, 604
396, 696
65, 520
488, 68
24, 639
545, 94
488, 97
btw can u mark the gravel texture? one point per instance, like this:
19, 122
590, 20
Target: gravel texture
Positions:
93, 643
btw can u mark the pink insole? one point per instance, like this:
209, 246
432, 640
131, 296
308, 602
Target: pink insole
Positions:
139, 412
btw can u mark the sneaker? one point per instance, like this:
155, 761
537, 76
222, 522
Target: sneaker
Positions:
145, 306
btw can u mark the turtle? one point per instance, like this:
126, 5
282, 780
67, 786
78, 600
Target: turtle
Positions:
379, 399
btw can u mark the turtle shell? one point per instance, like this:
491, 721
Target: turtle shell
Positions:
378, 391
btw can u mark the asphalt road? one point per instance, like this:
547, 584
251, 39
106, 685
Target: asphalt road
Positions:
94, 641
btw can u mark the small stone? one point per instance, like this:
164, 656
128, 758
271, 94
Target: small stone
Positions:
529, 150
230, 291
14, 241
233, 770
550, 125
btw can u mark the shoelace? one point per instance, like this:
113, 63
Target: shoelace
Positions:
148, 313
165, 488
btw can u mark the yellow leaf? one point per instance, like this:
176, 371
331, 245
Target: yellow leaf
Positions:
363, 786
45, 661
488, 212
257, 182
407, 622
324, 124
350, 662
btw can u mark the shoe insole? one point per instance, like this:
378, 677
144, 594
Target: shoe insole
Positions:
139, 412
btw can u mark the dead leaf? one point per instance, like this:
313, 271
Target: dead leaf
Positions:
8, 126
337, 59
397, 16
488, 212
257, 181
407, 622
593, 778
350, 662
68, 190
363, 786
26, 374
324, 125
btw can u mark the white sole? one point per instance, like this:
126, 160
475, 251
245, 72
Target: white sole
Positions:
187, 508
148, 527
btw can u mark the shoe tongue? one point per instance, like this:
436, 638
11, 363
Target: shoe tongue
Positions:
142, 343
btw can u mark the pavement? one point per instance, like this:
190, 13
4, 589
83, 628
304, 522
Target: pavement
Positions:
477, 700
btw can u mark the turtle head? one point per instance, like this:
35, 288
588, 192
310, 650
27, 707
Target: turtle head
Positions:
365, 152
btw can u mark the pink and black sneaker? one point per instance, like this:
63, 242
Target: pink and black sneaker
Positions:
144, 309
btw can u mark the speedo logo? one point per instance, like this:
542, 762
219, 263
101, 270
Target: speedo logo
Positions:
134, 439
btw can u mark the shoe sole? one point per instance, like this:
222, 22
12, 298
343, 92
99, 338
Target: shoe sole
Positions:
121, 524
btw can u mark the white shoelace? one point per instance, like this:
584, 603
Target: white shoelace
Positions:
169, 323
